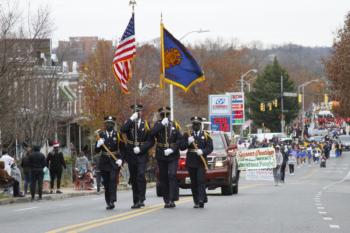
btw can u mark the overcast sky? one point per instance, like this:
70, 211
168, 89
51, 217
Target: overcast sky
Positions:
305, 22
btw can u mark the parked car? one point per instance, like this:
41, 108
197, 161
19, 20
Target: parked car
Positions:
222, 167
344, 140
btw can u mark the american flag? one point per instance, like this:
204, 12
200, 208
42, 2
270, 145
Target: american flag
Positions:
124, 53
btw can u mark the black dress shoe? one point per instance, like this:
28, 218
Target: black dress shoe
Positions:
167, 205
110, 206
136, 206
172, 205
141, 204
201, 204
196, 206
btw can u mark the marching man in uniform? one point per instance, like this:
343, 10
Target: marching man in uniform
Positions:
136, 153
110, 146
168, 136
198, 144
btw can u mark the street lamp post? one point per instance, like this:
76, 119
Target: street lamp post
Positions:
171, 87
302, 87
242, 88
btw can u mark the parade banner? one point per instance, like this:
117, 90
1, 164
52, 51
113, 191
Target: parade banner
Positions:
261, 174
255, 159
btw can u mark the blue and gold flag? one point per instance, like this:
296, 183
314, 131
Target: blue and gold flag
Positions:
178, 65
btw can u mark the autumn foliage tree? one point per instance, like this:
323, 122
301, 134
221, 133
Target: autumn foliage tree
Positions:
338, 69
102, 91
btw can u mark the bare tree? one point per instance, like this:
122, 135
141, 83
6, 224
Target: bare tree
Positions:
27, 82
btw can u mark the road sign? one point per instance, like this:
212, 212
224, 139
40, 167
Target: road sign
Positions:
290, 94
219, 105
237, 104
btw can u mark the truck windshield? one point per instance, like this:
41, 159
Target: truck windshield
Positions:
217, 142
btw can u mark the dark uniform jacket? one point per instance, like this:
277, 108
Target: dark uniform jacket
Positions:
172, 132
55, 161
141, 140
203, 142
115, 145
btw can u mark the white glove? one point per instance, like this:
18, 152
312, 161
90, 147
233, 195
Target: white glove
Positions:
168, 151
100, 142
137, 150
165, 121
134, 116
199, 152
119, 162
190, 140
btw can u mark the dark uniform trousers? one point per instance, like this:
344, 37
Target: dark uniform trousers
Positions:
107, 165
137, 177
197, 176
109, 178
137, 162
195, 165
167, 178
167, 138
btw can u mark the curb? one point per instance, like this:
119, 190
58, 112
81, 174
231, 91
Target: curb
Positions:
53, 197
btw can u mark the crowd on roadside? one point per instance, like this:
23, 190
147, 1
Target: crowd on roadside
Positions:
38, 172
296, 152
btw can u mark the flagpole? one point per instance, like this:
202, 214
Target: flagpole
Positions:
132, 3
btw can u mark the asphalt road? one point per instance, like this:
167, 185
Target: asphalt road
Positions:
314, 200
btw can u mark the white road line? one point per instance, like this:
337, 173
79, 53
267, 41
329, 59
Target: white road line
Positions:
319, 204
337, 182
24, 209
98, 198
327, 218
320, 208
318, 200
334, 226
322, 212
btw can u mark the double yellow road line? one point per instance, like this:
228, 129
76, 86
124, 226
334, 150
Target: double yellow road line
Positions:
84, 226
111, 219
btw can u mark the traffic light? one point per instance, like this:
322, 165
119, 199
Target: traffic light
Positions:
270, 106
275, 103
325, 98
300, 98
262, 107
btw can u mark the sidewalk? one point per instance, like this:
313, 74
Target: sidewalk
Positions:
67, 193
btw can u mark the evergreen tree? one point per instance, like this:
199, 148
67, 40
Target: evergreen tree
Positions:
266, 89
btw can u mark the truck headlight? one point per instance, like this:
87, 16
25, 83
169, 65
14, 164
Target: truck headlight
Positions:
219, 162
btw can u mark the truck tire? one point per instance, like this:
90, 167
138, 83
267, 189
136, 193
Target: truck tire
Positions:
235, 189
227, 190
158, 190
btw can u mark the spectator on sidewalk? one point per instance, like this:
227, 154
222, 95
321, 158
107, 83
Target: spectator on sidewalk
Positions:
276, 170
97, 172
8, 160
8, 163
26, 169
16, 174
46, 182
37, 163
55, 163
6, 181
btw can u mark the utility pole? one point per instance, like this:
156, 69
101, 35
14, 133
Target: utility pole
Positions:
282, 115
